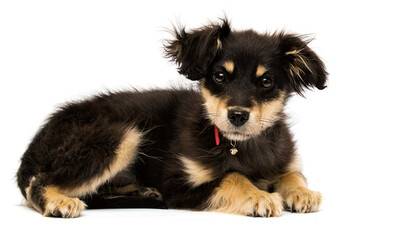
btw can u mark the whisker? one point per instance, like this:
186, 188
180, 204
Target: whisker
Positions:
267, 120
204, 128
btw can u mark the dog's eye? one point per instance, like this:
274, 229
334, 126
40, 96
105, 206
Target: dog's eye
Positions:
266, 82
219, 77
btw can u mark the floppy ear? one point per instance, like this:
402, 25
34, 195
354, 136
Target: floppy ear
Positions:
304, 68
194, 51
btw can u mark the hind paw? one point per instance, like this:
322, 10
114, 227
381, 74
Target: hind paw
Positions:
59, 205
150, 193
137, 190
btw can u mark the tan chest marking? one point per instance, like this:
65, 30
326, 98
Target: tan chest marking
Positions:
197, 174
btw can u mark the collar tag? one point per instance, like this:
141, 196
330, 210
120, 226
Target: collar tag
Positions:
233, 150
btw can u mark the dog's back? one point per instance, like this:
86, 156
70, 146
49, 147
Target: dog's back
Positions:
80, 140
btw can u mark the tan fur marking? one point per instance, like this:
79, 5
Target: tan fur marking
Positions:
260, 70
268, 112
296, 195
124, 156
130, 188
290, 180
137, 190
299, 64
151, 193
296, 71
58, 204
217, 112
216, 107
296, 164
229, 66
293, 52
218, 44
197, 174
261, 116
237, 195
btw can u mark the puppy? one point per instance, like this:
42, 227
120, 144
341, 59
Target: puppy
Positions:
224, 147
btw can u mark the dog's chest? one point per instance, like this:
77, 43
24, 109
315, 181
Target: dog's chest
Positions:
255, 162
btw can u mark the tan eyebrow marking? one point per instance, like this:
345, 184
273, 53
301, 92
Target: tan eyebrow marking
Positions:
229, 66
260, 70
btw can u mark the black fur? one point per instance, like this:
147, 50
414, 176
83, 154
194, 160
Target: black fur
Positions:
78, 142
194, 52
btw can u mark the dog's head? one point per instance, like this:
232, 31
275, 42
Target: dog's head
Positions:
245, 77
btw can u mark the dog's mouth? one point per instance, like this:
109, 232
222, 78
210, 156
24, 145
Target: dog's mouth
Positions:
236, 135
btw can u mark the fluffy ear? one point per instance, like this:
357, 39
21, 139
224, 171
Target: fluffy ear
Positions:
304, 68
194, 50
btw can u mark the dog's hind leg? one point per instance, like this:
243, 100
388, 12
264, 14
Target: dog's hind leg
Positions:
138, 190
49, 200
55, 195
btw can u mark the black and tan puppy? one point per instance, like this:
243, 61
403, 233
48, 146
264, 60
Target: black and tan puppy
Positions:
224, 147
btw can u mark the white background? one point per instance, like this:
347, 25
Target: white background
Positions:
356, 137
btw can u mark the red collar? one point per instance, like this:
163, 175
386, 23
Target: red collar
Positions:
217, 135
233, 150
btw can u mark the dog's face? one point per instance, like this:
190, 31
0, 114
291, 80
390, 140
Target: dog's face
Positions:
245, 77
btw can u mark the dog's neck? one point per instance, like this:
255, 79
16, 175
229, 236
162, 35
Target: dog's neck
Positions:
233, 150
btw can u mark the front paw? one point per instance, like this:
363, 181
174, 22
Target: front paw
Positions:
263, 204
253, 203
302, 200
237, 195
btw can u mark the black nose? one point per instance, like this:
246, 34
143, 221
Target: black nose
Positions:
238, 117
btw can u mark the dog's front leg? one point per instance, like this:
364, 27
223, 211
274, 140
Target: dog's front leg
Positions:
297, 197
237, 195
